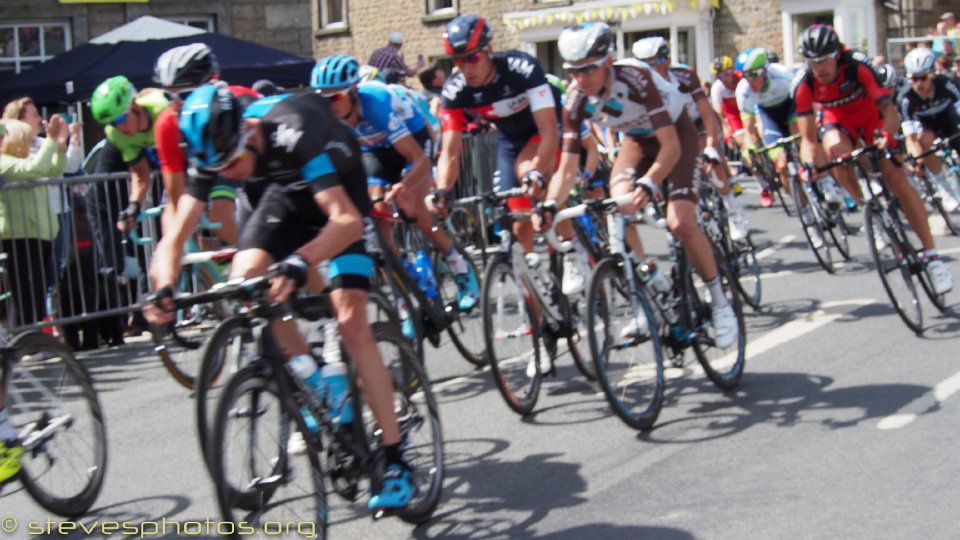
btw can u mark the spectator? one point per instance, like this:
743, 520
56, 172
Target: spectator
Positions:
27, 223
943, 66
389, 57
25, 110
949, 22
432, 78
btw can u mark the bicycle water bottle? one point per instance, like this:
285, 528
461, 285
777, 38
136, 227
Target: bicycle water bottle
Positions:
338, 392
661, 288
425, 278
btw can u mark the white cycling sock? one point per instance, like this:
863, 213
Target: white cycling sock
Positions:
717, 298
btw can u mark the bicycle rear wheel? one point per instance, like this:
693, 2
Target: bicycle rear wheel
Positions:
724, 367
746, 268
812, 228
891, 261
930, 193
629, 369
419, 420
465, 229
258, 479
53, 405
839, 232
512, 336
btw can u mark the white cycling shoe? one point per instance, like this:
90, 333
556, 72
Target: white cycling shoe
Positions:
725, 328
940, 276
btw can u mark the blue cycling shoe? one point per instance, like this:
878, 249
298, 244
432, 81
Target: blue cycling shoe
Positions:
468, 290
396, 492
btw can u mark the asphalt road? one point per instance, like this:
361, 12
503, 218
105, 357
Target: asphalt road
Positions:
844, 426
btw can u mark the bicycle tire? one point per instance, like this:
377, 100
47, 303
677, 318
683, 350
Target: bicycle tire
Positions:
723, 371
936, 201
37, 354
465, 230
466, 328
417, 409
223, 341
908, 308
273, 472
822, 254
839, 233
519, 390
636, 400
391, 287
573, 309
746, 267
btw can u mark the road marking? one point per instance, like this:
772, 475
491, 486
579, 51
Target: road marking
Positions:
925, 403
764, 253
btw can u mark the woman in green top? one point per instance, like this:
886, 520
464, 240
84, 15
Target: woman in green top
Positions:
27, 223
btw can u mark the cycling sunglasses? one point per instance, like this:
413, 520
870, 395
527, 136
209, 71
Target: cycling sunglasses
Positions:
469, 58
584, 69
918, 78
337, 95
821, 59
752, 74
120, 119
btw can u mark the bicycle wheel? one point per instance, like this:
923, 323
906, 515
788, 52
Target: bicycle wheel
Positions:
465, 230
409, 315
231, 346
892, 265
53, 405
419, 420
574, 311
724, 367
932, 195
466, 330
250, 450
512, 336
812, 228
178, 345
629, 369
839, 232
746, 268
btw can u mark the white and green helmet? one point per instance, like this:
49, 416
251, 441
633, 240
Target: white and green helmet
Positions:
754, 59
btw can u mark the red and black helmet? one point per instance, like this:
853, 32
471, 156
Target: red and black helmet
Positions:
466, 33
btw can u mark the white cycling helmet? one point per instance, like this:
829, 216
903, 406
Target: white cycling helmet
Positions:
887, 75
919, 62
585, 41
651, 47
188, 66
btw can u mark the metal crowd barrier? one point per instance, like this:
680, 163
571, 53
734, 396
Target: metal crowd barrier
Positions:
63, 259
83, 269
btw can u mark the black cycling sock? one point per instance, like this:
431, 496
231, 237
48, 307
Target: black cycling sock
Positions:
393, 455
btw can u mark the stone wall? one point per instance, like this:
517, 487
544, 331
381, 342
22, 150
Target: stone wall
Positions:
743, 24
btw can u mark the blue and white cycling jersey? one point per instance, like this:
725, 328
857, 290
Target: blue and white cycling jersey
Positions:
419, 101
775, 92
385, 116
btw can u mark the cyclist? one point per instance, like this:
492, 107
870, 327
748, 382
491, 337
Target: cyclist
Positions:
393, 135
129, 117
510, 90
764, 94
659, 144
179, 71
724, 99
854, 106
11, 451
303, 174
930, 109
655, 51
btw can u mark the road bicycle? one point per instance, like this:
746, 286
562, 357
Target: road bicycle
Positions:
932, 194
53, 404
766, 169
259, 477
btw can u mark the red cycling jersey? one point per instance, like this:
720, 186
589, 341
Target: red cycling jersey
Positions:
850, 103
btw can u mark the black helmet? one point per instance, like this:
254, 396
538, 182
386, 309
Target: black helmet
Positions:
466, 33
819, 40
188, 66
772, 56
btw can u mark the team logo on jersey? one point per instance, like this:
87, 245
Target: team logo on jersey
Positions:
453, 87
477, 96
520, 65
286, 137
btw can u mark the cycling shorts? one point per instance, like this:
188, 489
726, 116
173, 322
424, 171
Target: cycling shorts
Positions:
284, 221
505, 175
385, 166
776, 121
679, 184
866, 122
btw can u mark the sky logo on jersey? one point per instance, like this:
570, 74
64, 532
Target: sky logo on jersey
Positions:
287, 137
520, 65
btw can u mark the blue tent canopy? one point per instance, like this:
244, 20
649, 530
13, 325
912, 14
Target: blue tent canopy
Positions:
73, 75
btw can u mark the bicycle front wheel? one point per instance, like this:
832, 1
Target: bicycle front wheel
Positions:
58, 417
839, 233
893, 267
253, 467
629, 365
724, 367
512, 336
746, 268
466, 329
812, 227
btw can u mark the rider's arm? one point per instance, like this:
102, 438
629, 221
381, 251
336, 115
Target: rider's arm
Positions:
417, 177
710, 122
166, 259
448, 166
546, 120
572, 119
668, 156
810, 149
139, 180
750, 127
344, 225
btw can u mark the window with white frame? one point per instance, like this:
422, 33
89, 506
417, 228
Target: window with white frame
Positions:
441, 7
24, 45
333, 13
203, 22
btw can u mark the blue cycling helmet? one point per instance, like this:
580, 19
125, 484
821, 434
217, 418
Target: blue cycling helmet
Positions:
741, 60
335, 72
212, 125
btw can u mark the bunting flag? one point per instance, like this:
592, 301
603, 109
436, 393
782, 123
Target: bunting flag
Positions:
617, 12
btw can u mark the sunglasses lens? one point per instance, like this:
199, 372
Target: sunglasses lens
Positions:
121, 119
